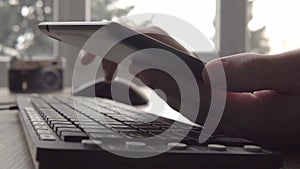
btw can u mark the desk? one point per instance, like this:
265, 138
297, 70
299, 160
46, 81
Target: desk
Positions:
15, 154
13, 147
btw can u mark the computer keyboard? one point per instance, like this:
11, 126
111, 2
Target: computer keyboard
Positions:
75, 122
80, 132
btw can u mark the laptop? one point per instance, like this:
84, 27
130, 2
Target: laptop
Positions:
88, 132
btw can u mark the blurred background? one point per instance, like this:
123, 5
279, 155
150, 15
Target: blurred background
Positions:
233, 26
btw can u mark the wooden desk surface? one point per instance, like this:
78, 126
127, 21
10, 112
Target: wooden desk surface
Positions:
14, 153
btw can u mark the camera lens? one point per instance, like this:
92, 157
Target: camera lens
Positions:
49, 78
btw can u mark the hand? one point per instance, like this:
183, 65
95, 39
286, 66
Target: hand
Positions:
263, 96
167, 83
110, 67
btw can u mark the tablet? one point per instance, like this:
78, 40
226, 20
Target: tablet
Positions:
71, 33
77, 34
119, 43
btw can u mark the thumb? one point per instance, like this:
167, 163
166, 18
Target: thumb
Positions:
254, 72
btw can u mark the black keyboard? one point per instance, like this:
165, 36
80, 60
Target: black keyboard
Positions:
80, 132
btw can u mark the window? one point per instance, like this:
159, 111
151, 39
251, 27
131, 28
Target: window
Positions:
276, 30
234, 26
200, 14
18, 32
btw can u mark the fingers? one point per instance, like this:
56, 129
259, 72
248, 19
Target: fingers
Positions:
86, 57
260, 116
266, 117
157, 79
162, 36
109, 68
253, 72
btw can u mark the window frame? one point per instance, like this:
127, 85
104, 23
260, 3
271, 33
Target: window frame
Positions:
231, 28
230, 14
233, 14
70, 10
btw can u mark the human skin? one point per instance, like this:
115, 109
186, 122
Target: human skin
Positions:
263, 92
263, 96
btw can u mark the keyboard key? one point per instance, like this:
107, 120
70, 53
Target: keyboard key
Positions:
252, 148
53, 114
123, 119
164, 126
122, 126
81, 120
107, 121
103, 136
50, 99
53, 123
115, 123
146, 127
86, 123
73, 136
49, 120
38, 123
91, 143
131, 122
171, 136
36, 119
28, 108
107, 131
43, 132
91, 127
49, 112
47, 137
154, 132
59, 130
40, 128
177, 146
133, 145
64, 109
216, 147
120, 130
40, 104
136, 134
56, 126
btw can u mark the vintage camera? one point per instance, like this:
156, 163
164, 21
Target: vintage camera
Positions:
35, 74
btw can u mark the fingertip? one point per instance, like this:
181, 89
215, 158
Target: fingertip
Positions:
109, 68
108, 77
86, 57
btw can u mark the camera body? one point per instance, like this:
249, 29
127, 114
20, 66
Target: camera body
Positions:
35, 75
